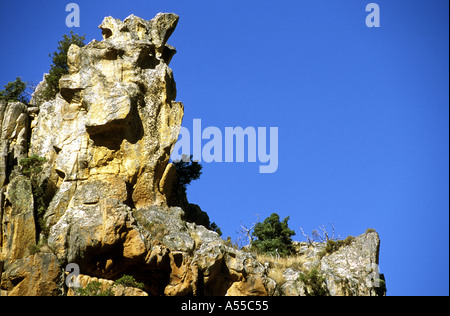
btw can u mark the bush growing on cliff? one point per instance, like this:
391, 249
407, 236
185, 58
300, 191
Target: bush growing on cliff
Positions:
14, 91
273, 237
59, 66
31, 168
314, 283
94, 289
129, 281
381, 289
187, 170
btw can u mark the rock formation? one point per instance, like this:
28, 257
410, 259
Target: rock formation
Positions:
106, 182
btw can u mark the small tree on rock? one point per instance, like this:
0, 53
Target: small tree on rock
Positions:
187, 170
14, 91
31, 168
59, 66
273, 237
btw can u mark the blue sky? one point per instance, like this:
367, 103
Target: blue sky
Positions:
362, 113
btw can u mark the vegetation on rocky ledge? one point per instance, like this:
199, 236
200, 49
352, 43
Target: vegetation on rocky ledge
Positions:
59, 66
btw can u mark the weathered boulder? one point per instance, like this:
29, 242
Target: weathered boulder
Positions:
35, 275
37, 97
353, 270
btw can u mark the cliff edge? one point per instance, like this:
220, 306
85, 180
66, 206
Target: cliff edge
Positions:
106, 180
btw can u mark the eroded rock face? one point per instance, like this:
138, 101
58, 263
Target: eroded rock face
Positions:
34, 275
105, 135
111, 118
107, 138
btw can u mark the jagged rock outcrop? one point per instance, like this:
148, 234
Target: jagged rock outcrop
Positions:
349, 268
14, 135
107, 181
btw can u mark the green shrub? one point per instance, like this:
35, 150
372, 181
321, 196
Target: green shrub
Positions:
187, 170
14, 91
59, 66
273, 237
335, 245
381, 289
94, 289
314, 283
215, 228
332, 246
31, 168
129, 281
34, 249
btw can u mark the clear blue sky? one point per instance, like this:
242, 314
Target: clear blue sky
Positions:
363, 114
